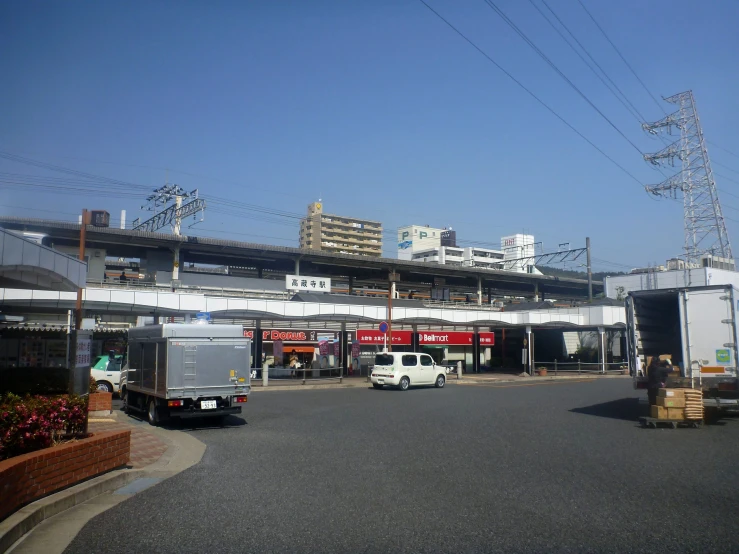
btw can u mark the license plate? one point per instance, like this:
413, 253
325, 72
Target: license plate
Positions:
208, 405
381, 381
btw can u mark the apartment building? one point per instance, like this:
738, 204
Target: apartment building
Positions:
340, 234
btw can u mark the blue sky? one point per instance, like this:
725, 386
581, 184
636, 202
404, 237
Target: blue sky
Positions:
376, 107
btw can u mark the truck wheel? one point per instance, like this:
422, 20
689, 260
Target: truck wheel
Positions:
404, 383
104, 386
124, 401
153, 413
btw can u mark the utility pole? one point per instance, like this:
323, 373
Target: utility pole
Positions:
703, 220
171, 215
590, 270
83, 237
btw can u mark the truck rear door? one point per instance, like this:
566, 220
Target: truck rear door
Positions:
709, 332
632, 342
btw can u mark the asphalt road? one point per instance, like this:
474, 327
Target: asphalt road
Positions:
544, 468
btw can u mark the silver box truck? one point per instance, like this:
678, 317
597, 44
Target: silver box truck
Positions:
186, 370
697, 328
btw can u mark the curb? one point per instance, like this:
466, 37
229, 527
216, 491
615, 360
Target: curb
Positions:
24, 520
451, 380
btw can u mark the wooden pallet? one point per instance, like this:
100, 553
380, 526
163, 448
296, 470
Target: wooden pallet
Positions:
653, 422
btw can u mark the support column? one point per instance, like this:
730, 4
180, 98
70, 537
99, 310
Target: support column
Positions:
490, 295
258, 345
479, 291
415, 346
176, 263
529, 351
260, 272
602, 348
476, 350
343, 350
536, 292
297, 266
351, 284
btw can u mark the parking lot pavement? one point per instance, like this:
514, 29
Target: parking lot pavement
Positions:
558, 468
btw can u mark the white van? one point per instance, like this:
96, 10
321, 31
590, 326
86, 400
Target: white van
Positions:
405, 369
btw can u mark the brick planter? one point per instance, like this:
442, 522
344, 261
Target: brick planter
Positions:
29, 477
100, 403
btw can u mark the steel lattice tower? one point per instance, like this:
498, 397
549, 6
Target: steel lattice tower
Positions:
705, 228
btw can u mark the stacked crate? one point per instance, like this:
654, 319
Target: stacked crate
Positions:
693, 404
678, 405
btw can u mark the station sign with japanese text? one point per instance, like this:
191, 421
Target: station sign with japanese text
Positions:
308, 284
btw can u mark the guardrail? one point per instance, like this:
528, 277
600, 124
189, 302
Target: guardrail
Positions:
291, 376
191, 289
581, 367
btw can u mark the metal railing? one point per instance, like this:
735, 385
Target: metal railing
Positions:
581, 368
301, 375
460, 305
190, 289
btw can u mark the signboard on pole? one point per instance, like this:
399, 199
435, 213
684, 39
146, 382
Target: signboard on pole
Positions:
307, 284
80, 362
383, 327
457, 338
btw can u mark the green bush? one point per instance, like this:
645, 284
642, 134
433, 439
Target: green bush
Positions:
35, 422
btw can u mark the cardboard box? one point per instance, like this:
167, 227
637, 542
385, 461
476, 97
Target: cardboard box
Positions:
658, 412
671, 401
671, 393
675, 413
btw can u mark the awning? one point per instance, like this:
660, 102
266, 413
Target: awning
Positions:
288, 348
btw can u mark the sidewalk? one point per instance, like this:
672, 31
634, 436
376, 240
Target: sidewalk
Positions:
51, 523
146, 447
451, 379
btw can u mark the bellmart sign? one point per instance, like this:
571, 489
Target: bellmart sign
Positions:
308, 284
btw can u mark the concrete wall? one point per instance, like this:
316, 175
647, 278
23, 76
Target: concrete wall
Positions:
699, 277
96, 260
221, 281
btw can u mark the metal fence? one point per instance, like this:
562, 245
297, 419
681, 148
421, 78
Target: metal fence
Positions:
582, 368
297, 376
191, 289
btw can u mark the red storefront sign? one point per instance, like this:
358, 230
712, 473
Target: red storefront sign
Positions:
487, 339
445, 337
292, 335
373, 336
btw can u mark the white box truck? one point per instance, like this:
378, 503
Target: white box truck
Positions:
697, 328
186, 371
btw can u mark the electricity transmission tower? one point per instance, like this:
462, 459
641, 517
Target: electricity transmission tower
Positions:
172, 215
705, 228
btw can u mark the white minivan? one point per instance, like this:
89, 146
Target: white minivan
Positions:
405, 369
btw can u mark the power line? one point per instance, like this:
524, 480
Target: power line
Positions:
529, 92
543, 56
659, 104
724, 166
722, 148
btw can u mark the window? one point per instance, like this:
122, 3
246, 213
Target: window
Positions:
383, 359
426, 361
409, 360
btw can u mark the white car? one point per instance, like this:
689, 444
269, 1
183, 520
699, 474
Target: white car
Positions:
405, 369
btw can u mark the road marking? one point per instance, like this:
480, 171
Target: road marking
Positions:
504, 386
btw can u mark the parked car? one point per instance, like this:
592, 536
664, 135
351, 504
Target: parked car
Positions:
106, 370
406, 369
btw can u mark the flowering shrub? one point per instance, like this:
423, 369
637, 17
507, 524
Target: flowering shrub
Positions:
35, 422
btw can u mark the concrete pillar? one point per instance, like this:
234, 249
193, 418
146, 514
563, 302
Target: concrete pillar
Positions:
602, 348
415, 346
536, 292
260, 271
529, 351
343, 350
479, 291
351, 284
475, 350
297, 266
